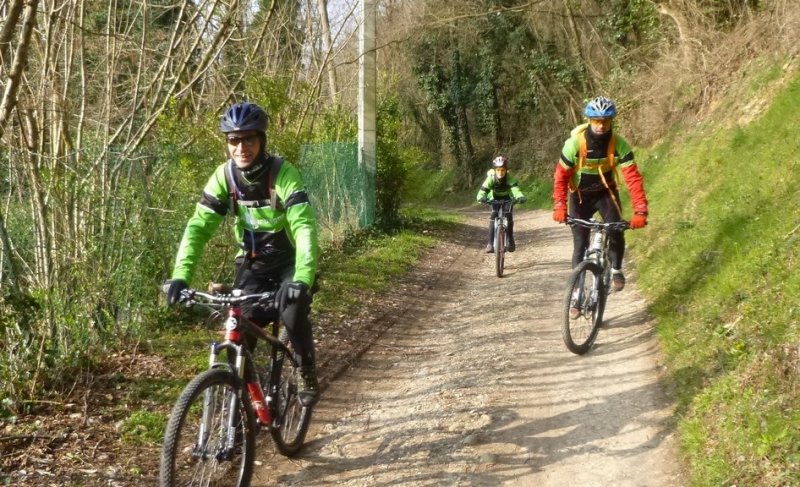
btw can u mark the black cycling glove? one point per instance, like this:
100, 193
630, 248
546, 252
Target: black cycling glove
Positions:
174, 291
290, 291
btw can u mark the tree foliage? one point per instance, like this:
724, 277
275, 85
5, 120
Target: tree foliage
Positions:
109, 110
108, 139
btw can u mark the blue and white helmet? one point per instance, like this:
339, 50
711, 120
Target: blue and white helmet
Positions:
600, 107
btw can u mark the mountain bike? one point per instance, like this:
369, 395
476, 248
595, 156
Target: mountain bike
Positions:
588, 287
211, 434
503, 208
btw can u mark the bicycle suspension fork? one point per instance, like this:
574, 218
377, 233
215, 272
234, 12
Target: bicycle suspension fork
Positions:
254, 391
236, 360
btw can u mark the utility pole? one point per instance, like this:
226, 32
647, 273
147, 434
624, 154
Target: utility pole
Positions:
366, 109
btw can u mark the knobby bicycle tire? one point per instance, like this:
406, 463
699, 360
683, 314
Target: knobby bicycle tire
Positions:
603, 295
292, 419
186, 459
579, 334
500, 249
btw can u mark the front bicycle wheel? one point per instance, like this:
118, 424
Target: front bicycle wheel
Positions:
583, 307
210, 438
292, 419
602, 295
500, 249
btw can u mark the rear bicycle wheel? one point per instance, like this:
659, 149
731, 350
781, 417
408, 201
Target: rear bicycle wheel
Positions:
292, 419
584, 294
210, 437
500, 249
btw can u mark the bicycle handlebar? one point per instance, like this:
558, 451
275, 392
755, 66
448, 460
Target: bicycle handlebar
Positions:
231, 299
620, 225
234, 298
500, 202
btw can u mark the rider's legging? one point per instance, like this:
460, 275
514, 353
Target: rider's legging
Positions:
509, 226
258, 277
584, 207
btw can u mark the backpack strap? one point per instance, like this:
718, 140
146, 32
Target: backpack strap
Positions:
274, 169
233, 190
235, 196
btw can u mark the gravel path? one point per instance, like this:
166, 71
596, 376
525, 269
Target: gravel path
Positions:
470, 383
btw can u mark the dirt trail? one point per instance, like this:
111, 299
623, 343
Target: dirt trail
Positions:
471, 385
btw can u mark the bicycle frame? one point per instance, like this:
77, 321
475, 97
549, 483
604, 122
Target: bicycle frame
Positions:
245, 390
503, 208
598, 252
235, 326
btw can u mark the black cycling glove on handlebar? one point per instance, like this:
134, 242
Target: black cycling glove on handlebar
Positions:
290, 291
174, 291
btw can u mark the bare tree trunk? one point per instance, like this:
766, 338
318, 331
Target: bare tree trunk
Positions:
327, 45
685, 42
6, 255
573, 33
9, 100
252, 55
7, 32
178, 86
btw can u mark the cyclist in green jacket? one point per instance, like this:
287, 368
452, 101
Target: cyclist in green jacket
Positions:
275, 225
502, 186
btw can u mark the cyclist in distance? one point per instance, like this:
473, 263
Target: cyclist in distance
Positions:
275, 225
587, 173
503, 187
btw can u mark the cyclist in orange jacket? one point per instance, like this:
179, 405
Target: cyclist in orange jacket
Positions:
587, 174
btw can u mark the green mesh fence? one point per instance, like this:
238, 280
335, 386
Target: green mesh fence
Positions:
342, 193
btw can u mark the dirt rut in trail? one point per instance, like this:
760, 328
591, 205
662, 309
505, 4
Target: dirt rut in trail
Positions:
471, 384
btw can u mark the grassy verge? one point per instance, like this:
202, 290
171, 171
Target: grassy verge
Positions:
437, 188
719, 265
370, 261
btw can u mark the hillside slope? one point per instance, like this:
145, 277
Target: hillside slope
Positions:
718, 264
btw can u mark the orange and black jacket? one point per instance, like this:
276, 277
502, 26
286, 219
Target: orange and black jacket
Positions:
589, 164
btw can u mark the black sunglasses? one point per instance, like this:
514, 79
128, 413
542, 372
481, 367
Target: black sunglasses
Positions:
249, 140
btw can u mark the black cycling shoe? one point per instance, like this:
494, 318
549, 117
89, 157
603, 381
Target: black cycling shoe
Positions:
511, 246
307, 385
617, 281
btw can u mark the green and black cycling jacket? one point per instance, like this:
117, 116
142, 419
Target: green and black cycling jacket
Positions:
508, 188
286, 232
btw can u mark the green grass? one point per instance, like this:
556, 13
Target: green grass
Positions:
539, 193
719, 265
160, 390
371, 261
425, 185
144, 428
437, 188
